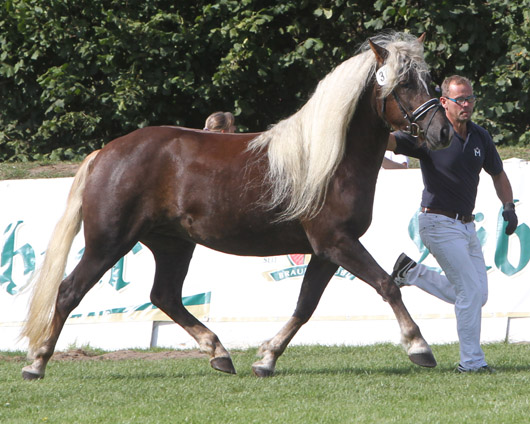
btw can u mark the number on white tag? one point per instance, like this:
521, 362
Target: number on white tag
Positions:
380, 75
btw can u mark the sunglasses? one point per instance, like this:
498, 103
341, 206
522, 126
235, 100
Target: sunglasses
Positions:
461, 100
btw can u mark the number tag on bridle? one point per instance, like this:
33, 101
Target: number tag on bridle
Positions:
380, 75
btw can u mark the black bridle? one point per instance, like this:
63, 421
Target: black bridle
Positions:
413, 128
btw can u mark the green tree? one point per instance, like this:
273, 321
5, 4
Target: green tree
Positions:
74, 74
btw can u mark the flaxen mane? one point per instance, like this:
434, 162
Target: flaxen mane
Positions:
305, 149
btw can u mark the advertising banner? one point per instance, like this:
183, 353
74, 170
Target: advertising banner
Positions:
246, 300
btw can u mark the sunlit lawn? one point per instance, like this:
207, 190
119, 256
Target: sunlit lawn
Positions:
313, 384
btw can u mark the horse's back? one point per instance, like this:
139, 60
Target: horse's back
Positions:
156, 163
160, 153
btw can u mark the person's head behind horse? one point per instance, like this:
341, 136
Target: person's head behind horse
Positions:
220, 122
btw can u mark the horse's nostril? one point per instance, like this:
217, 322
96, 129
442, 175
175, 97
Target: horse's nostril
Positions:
446, 134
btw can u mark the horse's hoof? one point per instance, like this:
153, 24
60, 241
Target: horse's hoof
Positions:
27, 374
425, 359
223, 364
260, 371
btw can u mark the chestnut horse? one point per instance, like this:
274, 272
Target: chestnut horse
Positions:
304, 186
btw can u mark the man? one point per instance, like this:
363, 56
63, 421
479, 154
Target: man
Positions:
450, 178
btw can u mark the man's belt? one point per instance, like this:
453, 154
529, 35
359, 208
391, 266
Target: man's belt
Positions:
464, 218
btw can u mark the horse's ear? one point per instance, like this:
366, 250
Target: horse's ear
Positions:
421, 38
380, 52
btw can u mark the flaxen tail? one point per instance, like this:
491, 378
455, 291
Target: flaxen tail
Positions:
38, 326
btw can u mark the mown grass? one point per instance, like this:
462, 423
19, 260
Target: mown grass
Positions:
43, 169
313, 384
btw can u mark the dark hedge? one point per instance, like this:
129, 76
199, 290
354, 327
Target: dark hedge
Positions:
74, 74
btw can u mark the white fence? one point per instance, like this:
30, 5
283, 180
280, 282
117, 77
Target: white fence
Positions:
246, 300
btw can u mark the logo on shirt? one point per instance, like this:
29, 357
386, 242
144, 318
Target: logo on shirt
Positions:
477, 151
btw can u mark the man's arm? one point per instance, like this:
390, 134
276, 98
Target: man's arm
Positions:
390, 164
505, 194
503, 187
392, 144
406, 145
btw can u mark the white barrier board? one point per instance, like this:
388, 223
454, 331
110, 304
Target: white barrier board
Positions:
245, 300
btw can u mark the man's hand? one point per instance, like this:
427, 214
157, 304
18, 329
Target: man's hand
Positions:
509, 215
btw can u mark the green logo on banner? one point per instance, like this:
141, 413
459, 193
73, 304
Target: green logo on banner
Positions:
522, 232
7, 255
26, 253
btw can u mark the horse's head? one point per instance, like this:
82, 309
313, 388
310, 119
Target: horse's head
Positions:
403, 94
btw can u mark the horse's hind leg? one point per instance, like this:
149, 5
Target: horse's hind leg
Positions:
71, 291
171, 269
316, 278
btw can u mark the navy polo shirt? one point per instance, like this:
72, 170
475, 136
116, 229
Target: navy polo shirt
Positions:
451, 175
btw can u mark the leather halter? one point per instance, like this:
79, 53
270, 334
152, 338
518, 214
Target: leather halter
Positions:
413, 128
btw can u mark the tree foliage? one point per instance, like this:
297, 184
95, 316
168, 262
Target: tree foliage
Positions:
74, 74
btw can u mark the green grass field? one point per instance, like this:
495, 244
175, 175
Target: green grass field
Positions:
313, 384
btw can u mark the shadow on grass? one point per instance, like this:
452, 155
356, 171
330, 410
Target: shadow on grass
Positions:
56, 373
298, 363
404, 369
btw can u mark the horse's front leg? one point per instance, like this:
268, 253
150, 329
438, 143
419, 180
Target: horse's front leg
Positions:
316, 278
352, 255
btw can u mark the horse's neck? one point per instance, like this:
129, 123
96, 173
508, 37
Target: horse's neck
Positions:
367, 139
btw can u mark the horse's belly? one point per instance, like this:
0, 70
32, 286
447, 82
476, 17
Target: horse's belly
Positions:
257, 239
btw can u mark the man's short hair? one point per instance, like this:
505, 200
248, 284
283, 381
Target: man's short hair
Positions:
454, 79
